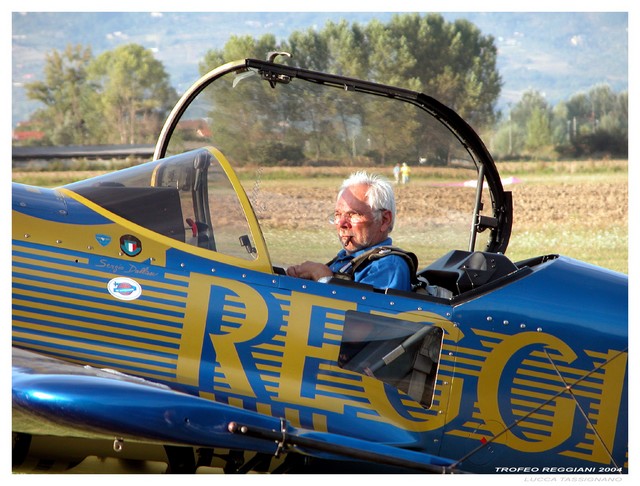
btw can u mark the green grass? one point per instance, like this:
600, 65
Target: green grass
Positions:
52, 178
606, 247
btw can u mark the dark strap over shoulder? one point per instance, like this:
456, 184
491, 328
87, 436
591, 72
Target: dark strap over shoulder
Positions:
361, 261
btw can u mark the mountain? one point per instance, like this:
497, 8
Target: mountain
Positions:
556, 53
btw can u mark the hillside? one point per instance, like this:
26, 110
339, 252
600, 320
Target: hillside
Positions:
558, 54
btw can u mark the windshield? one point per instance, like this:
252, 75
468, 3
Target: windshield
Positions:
268, 123
188, 198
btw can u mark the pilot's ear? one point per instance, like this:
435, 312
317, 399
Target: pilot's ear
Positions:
387, 220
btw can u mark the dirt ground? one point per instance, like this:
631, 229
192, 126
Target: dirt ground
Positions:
289, 204
592, 204
585, 218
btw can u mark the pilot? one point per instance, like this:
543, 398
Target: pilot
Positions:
364, 216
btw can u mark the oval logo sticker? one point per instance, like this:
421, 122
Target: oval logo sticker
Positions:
124, 288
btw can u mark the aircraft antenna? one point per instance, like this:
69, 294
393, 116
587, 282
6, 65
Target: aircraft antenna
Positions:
568, 388
584, 414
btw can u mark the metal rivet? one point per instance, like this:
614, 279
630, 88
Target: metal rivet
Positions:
58, 241
27, 235
489, 318
522, 326
539, 329
505, 322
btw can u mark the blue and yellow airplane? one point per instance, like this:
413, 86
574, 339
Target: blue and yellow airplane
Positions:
151, 323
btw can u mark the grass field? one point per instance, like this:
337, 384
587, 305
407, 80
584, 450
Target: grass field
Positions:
578, 209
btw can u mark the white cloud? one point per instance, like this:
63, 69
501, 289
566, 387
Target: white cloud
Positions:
576, 40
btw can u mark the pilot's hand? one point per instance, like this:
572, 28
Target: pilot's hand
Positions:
309, 270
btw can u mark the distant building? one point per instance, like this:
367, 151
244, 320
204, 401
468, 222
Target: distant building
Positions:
26, 132
195, 128
27, 135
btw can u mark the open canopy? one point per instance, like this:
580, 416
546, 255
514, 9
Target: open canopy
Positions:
260, 113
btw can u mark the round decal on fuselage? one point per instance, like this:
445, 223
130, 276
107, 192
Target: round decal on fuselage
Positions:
124, 288
130, 245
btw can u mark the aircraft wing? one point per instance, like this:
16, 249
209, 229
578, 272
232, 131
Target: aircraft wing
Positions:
53, 397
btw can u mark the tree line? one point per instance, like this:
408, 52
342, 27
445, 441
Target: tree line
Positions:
119, 97
123, 96
591, 124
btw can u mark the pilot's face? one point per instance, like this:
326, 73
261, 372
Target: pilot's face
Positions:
357, 224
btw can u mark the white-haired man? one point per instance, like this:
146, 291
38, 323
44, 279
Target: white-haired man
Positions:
364, 216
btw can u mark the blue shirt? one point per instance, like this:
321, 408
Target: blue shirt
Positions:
389, 272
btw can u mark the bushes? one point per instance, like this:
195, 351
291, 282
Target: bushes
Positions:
272, 153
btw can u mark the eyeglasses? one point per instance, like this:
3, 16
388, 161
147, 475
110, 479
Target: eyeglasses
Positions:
351, 217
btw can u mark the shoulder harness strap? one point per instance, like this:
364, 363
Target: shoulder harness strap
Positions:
361, 261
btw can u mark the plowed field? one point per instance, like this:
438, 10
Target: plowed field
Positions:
584, 216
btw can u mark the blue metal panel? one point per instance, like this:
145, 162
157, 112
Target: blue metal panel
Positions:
51, 205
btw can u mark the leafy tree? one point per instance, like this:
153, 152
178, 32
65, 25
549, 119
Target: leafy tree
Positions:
348, 47
310, 49
242, 112
597, 123
67, 117
238, 47
593, 123
530, 102
122, 96
452, 62
538, 130
528, 127
134, 94
559, 124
